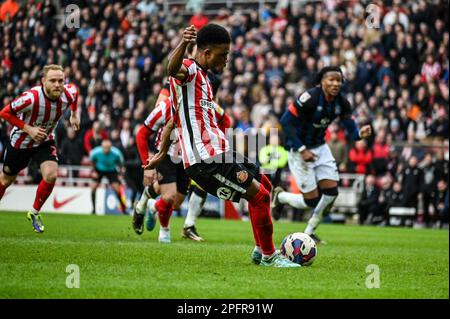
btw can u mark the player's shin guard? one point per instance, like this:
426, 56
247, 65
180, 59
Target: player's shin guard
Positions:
326, 202
259, 210
2, 190
164, 209
43, 192
196, 202
142, 203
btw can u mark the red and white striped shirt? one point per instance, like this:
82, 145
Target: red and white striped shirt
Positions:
156, 121
195, 116
36, 109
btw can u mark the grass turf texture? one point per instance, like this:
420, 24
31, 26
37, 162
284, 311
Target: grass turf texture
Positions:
114, 262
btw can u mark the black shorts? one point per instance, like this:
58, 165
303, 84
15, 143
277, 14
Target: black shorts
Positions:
227, 179
16, 159
170, 172
113, 177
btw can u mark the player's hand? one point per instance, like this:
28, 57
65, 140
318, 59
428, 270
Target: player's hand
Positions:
154, 161
149, 176
74, 122
308, 156
365, 131
190, 35
38, 134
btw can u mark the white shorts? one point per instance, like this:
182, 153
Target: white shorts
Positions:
308, 174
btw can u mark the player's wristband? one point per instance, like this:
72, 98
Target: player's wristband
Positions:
301, 149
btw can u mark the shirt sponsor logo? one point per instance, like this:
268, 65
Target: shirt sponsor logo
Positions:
208, 104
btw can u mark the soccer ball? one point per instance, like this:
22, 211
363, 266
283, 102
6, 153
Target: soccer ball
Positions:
299, 248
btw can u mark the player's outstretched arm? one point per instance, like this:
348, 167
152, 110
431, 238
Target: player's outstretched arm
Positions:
175, 67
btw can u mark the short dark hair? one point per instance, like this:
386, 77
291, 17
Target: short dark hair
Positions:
212, 34
325, 70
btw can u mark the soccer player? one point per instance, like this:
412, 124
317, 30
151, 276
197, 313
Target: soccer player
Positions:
34, 115
107, 160
172, 180
310, 159
206, 154
155, 123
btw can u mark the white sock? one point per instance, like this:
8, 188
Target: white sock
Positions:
257, 248
164, 229
325, 203
142, 204
195, 207
151, 204
294, 200
34, 211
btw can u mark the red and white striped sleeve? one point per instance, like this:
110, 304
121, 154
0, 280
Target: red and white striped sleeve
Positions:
71, 92
23, 103
159, 116
191, 67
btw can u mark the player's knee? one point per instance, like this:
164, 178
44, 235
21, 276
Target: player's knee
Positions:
50, 177
6, 180
330, 191
169, 198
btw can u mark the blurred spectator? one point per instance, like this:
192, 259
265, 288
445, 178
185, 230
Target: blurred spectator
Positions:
199, 20
94, 137
429, 186
360, 157
273, 158
431, 69
441, 203
396, 197
71, 150
412, 182
384, 201
381, 151
441, 165
367, 206
339, 151
8, 10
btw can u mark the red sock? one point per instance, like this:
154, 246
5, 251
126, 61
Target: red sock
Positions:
255, 234
43, 192
2, 190
266, 182
259, 210
164, 211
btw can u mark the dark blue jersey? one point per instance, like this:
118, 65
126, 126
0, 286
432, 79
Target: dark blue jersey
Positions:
306, 120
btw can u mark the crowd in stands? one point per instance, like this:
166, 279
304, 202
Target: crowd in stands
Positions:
396, 78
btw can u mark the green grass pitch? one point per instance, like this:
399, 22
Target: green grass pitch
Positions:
114, 262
